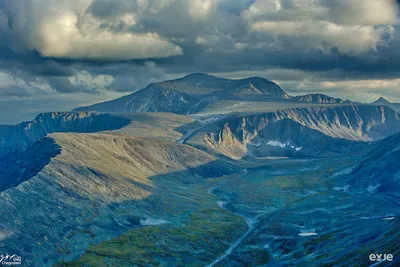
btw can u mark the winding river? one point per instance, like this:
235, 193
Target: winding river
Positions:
250, 224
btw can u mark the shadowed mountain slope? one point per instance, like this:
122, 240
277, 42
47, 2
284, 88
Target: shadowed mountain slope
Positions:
18, 167
17, 138
98, 187
380, 171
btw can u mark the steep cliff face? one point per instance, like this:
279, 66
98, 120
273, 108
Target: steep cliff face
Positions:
356, 122
19, 137
300, 132
284, 138
353, 122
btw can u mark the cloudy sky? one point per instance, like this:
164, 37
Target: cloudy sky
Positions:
60, 54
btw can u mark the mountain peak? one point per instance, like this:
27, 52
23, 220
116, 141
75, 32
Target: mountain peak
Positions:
256, 79
198, 76
259, 85
382, 100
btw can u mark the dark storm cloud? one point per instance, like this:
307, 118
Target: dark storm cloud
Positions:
221, 35
97, 46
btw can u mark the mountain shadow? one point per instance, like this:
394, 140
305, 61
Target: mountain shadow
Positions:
18, 167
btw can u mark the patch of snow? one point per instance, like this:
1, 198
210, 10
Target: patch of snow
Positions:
254, 144
209, 119
341, 172
182, 99
373, 188
342, 188
4, 236
310, 211
276, 144
389, 218
222, 204
307, 234
150, 221
309, 169
386, 217
272, 158
310, 192
282, 145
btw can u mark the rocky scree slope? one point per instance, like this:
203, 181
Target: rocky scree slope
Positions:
299, 132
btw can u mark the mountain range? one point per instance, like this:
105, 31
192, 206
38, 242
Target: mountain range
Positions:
199, 92
302, 131
203, 171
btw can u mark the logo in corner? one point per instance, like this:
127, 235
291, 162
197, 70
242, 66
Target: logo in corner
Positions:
381, 257
10, 259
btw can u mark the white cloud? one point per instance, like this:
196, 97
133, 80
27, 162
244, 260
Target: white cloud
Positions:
270, 74
356, 90
11, 85
201, 40
298, 82
365, 85
210, 40
92, 82
106, 30
200, 9
6, 80
65, 29
367, 12
352, 26
129, 19
240, 46
342, 37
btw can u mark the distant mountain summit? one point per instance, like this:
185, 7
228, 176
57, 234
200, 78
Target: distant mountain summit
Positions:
205, 84
383, 101
200, 77
257, 86
195, 92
